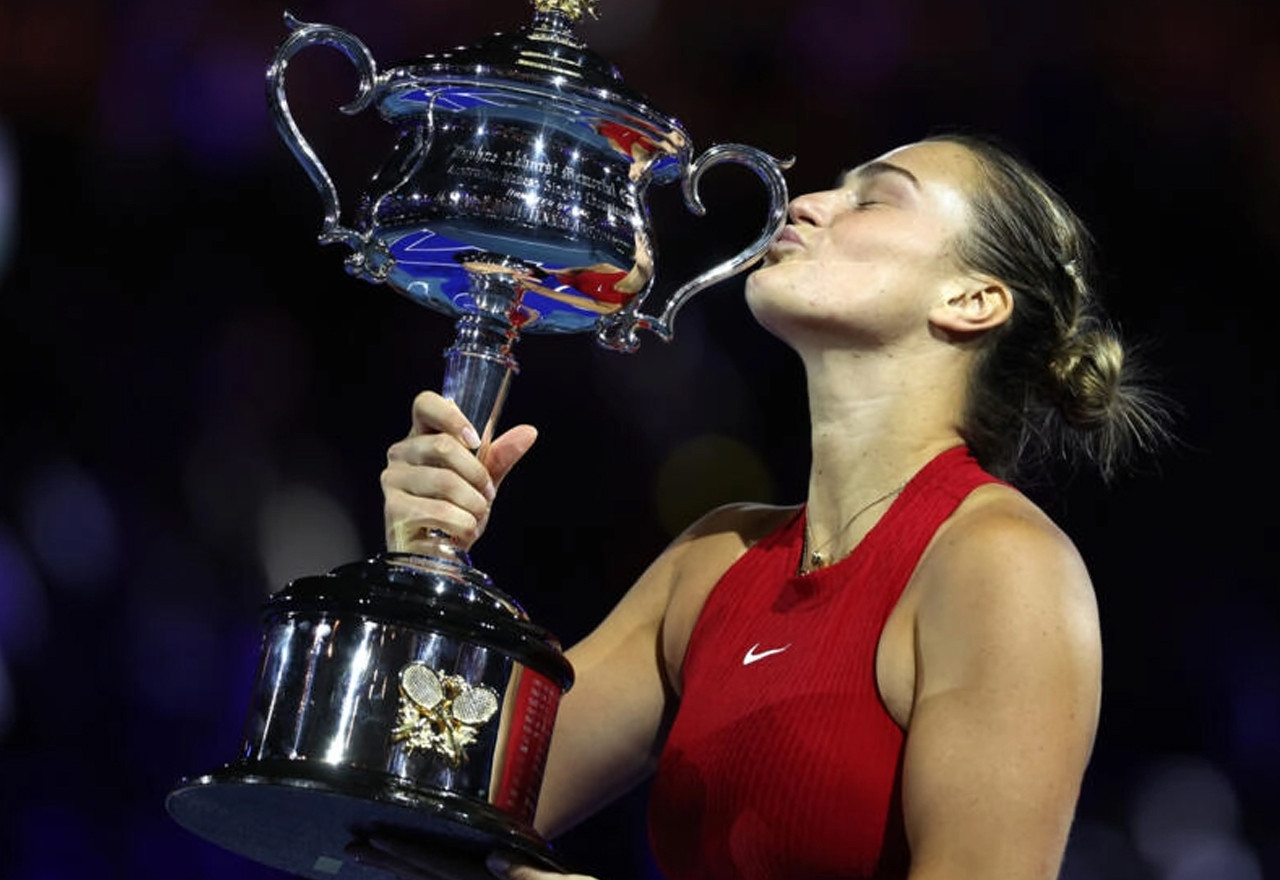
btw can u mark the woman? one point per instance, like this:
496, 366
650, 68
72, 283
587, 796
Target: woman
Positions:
899, 678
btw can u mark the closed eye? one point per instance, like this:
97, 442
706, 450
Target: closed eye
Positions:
867, 197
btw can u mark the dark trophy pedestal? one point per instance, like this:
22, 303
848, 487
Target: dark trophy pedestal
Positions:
349, 737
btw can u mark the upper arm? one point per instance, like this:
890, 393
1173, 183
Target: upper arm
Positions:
609, 720
1008, 669
610, 724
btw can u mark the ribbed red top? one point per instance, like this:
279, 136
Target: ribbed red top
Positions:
782, 762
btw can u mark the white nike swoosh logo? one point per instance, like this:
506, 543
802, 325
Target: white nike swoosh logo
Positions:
751, 656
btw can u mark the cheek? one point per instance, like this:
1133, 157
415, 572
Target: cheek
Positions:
789, 297
788, 285
839, 300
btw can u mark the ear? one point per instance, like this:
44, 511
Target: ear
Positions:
981, 304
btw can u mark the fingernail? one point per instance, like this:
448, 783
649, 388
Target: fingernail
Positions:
490, 491
470, 437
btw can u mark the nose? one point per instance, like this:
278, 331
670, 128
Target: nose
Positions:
811, 208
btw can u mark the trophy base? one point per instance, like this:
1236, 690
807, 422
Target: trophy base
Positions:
302, 822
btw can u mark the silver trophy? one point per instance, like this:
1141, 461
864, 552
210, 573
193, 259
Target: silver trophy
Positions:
406, 694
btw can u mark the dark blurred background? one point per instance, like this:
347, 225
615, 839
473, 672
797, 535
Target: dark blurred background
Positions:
196, 399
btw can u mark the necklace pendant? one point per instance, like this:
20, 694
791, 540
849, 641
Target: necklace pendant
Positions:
816, 561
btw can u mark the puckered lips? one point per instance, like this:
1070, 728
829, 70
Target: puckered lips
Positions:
788, 239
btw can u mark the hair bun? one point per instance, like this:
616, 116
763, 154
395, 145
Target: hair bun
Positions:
1088, 371
1105, 400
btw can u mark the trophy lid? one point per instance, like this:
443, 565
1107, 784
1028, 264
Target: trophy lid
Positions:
544, 58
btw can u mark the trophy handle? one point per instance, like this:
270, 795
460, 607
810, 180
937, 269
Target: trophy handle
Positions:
304, 34
620, 332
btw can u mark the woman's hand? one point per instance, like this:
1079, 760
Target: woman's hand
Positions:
439, 477
416, 860
502, 867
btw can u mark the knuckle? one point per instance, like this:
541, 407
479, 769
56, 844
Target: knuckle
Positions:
469, 532
424, 400
387, 480
440, 444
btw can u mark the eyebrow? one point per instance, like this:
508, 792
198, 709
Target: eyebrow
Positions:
872, 169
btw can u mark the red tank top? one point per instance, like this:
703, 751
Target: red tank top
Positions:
782, 761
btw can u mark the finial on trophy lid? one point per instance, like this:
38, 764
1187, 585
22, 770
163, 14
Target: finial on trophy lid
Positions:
571, 9
555, 19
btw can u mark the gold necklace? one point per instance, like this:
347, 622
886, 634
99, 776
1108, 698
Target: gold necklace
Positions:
815, 559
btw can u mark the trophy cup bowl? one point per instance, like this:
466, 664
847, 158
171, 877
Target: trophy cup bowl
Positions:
406, 695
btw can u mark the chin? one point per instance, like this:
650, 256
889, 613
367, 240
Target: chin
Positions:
758, 279
753, 291
772, 281
764, 304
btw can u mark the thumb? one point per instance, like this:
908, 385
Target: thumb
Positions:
506, 450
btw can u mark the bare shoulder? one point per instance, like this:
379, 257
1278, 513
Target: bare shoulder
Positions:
710, 545
747, 522
697, 561
1002, 578
999, 537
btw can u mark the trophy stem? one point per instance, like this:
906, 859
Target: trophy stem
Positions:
478, 370
479, 364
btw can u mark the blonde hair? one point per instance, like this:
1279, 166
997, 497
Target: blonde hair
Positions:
1056, 379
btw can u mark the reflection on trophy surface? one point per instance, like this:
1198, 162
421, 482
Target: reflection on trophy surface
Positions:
407, 694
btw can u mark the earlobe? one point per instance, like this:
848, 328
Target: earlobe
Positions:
980, 306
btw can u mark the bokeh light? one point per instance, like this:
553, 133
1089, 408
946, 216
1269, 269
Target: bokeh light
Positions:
225, 476
70, 525
304, 531
1099, 851
704, 473
1215, 858
24, 608
1185, 820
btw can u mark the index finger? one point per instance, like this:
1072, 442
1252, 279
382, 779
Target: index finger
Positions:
434, 414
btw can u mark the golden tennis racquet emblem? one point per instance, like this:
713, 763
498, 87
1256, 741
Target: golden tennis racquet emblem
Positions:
440, 713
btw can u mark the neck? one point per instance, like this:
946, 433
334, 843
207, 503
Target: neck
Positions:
876, 419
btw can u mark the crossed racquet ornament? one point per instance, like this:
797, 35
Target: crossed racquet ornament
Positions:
440, 713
